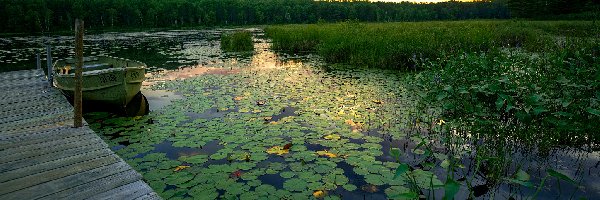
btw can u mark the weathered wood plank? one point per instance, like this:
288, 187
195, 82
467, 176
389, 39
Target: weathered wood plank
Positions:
39, 136
97, 186
20, 162
40, 149
129, 191
53, 174
71, 181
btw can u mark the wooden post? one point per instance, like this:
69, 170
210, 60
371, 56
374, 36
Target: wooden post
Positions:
78, 121
49, 63
38, 59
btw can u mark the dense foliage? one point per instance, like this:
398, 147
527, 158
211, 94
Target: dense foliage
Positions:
534, 79
571, 9
237, 41
53, 15
401, 45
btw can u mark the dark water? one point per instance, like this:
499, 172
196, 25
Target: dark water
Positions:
175, 55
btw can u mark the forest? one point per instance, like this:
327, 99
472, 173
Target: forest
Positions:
55, 15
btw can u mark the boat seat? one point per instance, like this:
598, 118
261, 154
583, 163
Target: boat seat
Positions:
98, 66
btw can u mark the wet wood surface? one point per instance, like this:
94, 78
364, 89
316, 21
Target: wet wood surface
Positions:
43, 157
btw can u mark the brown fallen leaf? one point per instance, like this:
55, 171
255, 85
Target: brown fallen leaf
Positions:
277, 150
287, 146
181, 167
238, 98
326, 154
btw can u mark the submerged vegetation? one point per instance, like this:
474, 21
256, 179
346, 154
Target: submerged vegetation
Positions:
237, 41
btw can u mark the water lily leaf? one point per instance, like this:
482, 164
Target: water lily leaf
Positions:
287, 174
196, 159
295, 184
181, 167
374, 179
426, 179
203, 192
394, 192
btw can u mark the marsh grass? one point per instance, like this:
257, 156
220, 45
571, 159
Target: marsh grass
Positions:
237, 41
402, 45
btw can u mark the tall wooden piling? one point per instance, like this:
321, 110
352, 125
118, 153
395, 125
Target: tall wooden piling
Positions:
78, 121
49, 62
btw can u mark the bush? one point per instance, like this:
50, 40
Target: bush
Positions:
237, 41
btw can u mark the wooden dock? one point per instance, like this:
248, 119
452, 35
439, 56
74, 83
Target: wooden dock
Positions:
43, 157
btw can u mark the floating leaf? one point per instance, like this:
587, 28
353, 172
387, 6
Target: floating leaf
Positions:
319, 194
350, 187
277, 150
238, 98
326, 154
295, 184
332, 137
181, 167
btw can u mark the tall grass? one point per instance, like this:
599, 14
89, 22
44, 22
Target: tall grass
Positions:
401, 45
237, 41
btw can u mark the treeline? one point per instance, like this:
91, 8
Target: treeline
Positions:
55, 15
555, 9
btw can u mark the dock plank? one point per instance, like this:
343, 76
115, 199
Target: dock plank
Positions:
43, 157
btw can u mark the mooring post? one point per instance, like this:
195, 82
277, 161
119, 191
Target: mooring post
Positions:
78, 121
49, 62
38, 59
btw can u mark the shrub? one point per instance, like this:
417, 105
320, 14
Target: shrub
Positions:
237, 41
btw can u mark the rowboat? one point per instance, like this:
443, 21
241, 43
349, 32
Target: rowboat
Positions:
106, 79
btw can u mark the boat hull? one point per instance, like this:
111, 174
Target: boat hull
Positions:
113, 86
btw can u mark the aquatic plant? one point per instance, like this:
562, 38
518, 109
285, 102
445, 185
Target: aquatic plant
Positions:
237, 41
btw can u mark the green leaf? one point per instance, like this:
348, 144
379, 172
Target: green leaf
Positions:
451, 187
408, 195
403, 168
522, 175
441, 96
395, 152
499, 103
539, 110
559, 175
523, 183
593, 111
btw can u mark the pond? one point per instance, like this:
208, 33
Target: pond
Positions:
281, 126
